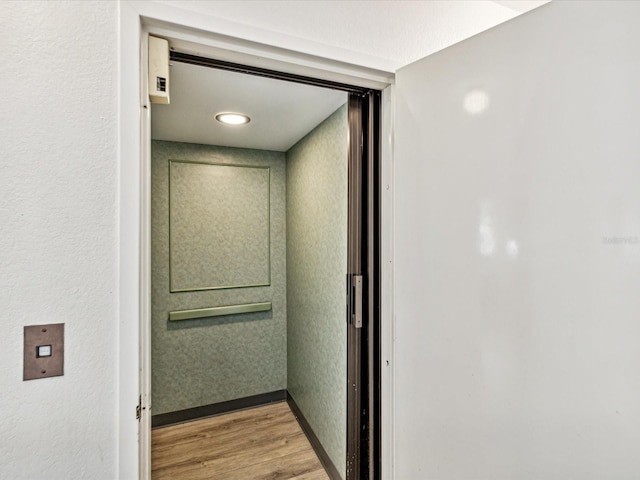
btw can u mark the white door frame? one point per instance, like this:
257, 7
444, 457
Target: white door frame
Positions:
229, 41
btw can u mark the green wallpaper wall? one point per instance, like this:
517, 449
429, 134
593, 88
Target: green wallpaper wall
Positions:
199, 362
316, 273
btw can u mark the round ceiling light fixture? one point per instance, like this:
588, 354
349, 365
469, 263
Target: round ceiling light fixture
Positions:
232, 118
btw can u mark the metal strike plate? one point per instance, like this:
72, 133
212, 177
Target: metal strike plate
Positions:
43, 351
357, 295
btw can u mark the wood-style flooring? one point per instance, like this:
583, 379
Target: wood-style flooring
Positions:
256, 444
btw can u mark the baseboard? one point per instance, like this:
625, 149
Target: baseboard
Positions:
196, 413
322, 454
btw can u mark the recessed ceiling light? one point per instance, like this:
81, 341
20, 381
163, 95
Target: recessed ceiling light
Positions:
230, 118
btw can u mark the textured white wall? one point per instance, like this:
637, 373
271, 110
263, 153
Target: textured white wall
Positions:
58, 217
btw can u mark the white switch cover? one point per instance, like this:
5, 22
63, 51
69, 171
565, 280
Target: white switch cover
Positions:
44, 351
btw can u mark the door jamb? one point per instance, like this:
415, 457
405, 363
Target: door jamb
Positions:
363, 336
356, 237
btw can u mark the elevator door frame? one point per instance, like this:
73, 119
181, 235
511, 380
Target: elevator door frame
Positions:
216, 37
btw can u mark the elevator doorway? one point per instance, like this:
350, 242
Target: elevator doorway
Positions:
348, 398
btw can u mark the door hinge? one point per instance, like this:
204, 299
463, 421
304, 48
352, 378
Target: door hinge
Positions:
139, 408
355, 301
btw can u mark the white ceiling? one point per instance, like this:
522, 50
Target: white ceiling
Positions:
380, 34
281, 112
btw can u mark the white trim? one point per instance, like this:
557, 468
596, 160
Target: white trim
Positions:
250, 46
145, 262
386, 277
224, 40
259, 55
129, 141
239, 36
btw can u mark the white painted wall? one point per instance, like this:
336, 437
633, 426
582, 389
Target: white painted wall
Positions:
517, 315
58, 213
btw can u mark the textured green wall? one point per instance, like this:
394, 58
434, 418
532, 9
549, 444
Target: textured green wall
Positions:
316, 274
199, 362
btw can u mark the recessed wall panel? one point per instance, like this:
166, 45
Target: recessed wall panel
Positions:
228, 245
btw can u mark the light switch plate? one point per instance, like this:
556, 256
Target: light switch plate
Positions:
35, 364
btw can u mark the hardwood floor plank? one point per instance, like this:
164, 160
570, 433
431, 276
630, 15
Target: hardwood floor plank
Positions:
202, 465
315, 475
295, 465
221, 428
212, 442
222, 423
263, 443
